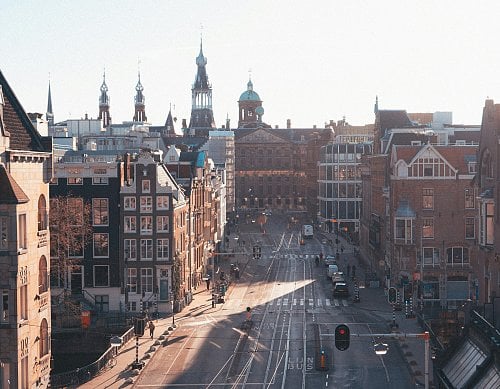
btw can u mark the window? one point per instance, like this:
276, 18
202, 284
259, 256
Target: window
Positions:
146, 280
457, 255
132, 280
23, 298
76, 249
75, 204
42, 275
129, 224
470, 232
102, 302
129, 203
486, 226
100, 180
75, 180
130, 247
22, 238
4, 317
404, 230
4, 232
146, 186
162, 202
146, 224
428, 228
146, 204
472, 167
100, 212
469, 198
44, 338
162, 224
162, 249
101, 245
101, 276
431, 256
42, 213
428, 198
146, 248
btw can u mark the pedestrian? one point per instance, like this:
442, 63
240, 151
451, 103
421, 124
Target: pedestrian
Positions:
151, 329
208, 283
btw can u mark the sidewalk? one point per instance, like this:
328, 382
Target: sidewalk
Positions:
121, 374
412, 349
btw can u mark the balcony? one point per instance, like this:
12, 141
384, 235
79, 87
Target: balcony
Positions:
43, 301
43, 238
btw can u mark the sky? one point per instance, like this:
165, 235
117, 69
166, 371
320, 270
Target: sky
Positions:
310, 61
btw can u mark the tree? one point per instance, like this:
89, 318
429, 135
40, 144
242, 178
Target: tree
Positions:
70, 232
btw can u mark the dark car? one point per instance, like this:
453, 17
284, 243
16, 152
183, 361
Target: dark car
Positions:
340, 290
330, 260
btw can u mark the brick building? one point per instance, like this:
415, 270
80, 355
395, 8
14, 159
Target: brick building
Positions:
25, 316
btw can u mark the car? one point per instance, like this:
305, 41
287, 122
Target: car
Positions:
338, 277
340, 290
330, 260
332, 269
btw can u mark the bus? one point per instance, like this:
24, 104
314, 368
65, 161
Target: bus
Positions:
307, 231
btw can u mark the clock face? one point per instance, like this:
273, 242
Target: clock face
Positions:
259, 111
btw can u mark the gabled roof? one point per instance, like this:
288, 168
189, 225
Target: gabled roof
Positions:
389, 119
11, 192
196, 157
457, 156
23, 136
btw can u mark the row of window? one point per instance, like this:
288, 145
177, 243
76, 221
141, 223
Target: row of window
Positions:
454, 256
146, 249
162, 224
404, 228
146, 203
428, 198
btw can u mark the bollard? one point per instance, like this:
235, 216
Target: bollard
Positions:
356, 293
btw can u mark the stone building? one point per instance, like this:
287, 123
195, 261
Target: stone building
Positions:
25, 316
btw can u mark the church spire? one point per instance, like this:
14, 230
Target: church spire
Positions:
104, 103
140, 107
201, 108
49, 114
169, 124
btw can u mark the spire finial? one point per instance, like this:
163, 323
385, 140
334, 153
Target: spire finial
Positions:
375, 109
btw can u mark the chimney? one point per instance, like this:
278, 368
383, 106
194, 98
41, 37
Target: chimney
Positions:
288, 123
184, 124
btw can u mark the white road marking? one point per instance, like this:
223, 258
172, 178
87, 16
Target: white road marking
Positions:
285, 301
320, 303
344, 303
327, 302
336, 302
294, 301
311, 302
301, 301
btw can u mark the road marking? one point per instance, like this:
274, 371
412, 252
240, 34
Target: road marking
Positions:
294, 301
320, 304
311, 302
301, 301
271, 302
344, 303
285, 301
336, 302
327, 302
278, 302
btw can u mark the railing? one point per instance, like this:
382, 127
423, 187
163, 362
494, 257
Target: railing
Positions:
86, 373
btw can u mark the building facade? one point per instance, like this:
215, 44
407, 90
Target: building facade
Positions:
25, 316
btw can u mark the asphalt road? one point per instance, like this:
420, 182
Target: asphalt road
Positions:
293, 313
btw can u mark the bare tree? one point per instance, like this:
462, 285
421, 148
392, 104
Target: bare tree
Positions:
70, 231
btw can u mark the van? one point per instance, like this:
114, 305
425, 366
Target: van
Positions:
332, 269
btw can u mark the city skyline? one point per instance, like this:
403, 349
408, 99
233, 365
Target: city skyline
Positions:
309, 63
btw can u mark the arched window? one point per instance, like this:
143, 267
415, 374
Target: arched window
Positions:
42, 275
44, 338
42, 213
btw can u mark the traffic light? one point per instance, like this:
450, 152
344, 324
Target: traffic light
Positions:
392, 295
342, 337
139, 325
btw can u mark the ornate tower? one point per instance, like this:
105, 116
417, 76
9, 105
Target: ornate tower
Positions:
202, 116
104, 103
250, 107
140, 107
49, 114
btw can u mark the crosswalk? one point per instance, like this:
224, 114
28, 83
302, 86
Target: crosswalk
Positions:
309, 303
296, 256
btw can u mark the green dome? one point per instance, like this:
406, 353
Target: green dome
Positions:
249, 94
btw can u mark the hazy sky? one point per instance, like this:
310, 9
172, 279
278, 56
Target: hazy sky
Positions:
311, 61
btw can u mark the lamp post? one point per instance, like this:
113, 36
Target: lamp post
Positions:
173, 314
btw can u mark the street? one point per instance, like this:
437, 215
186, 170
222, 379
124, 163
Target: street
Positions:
292, 317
